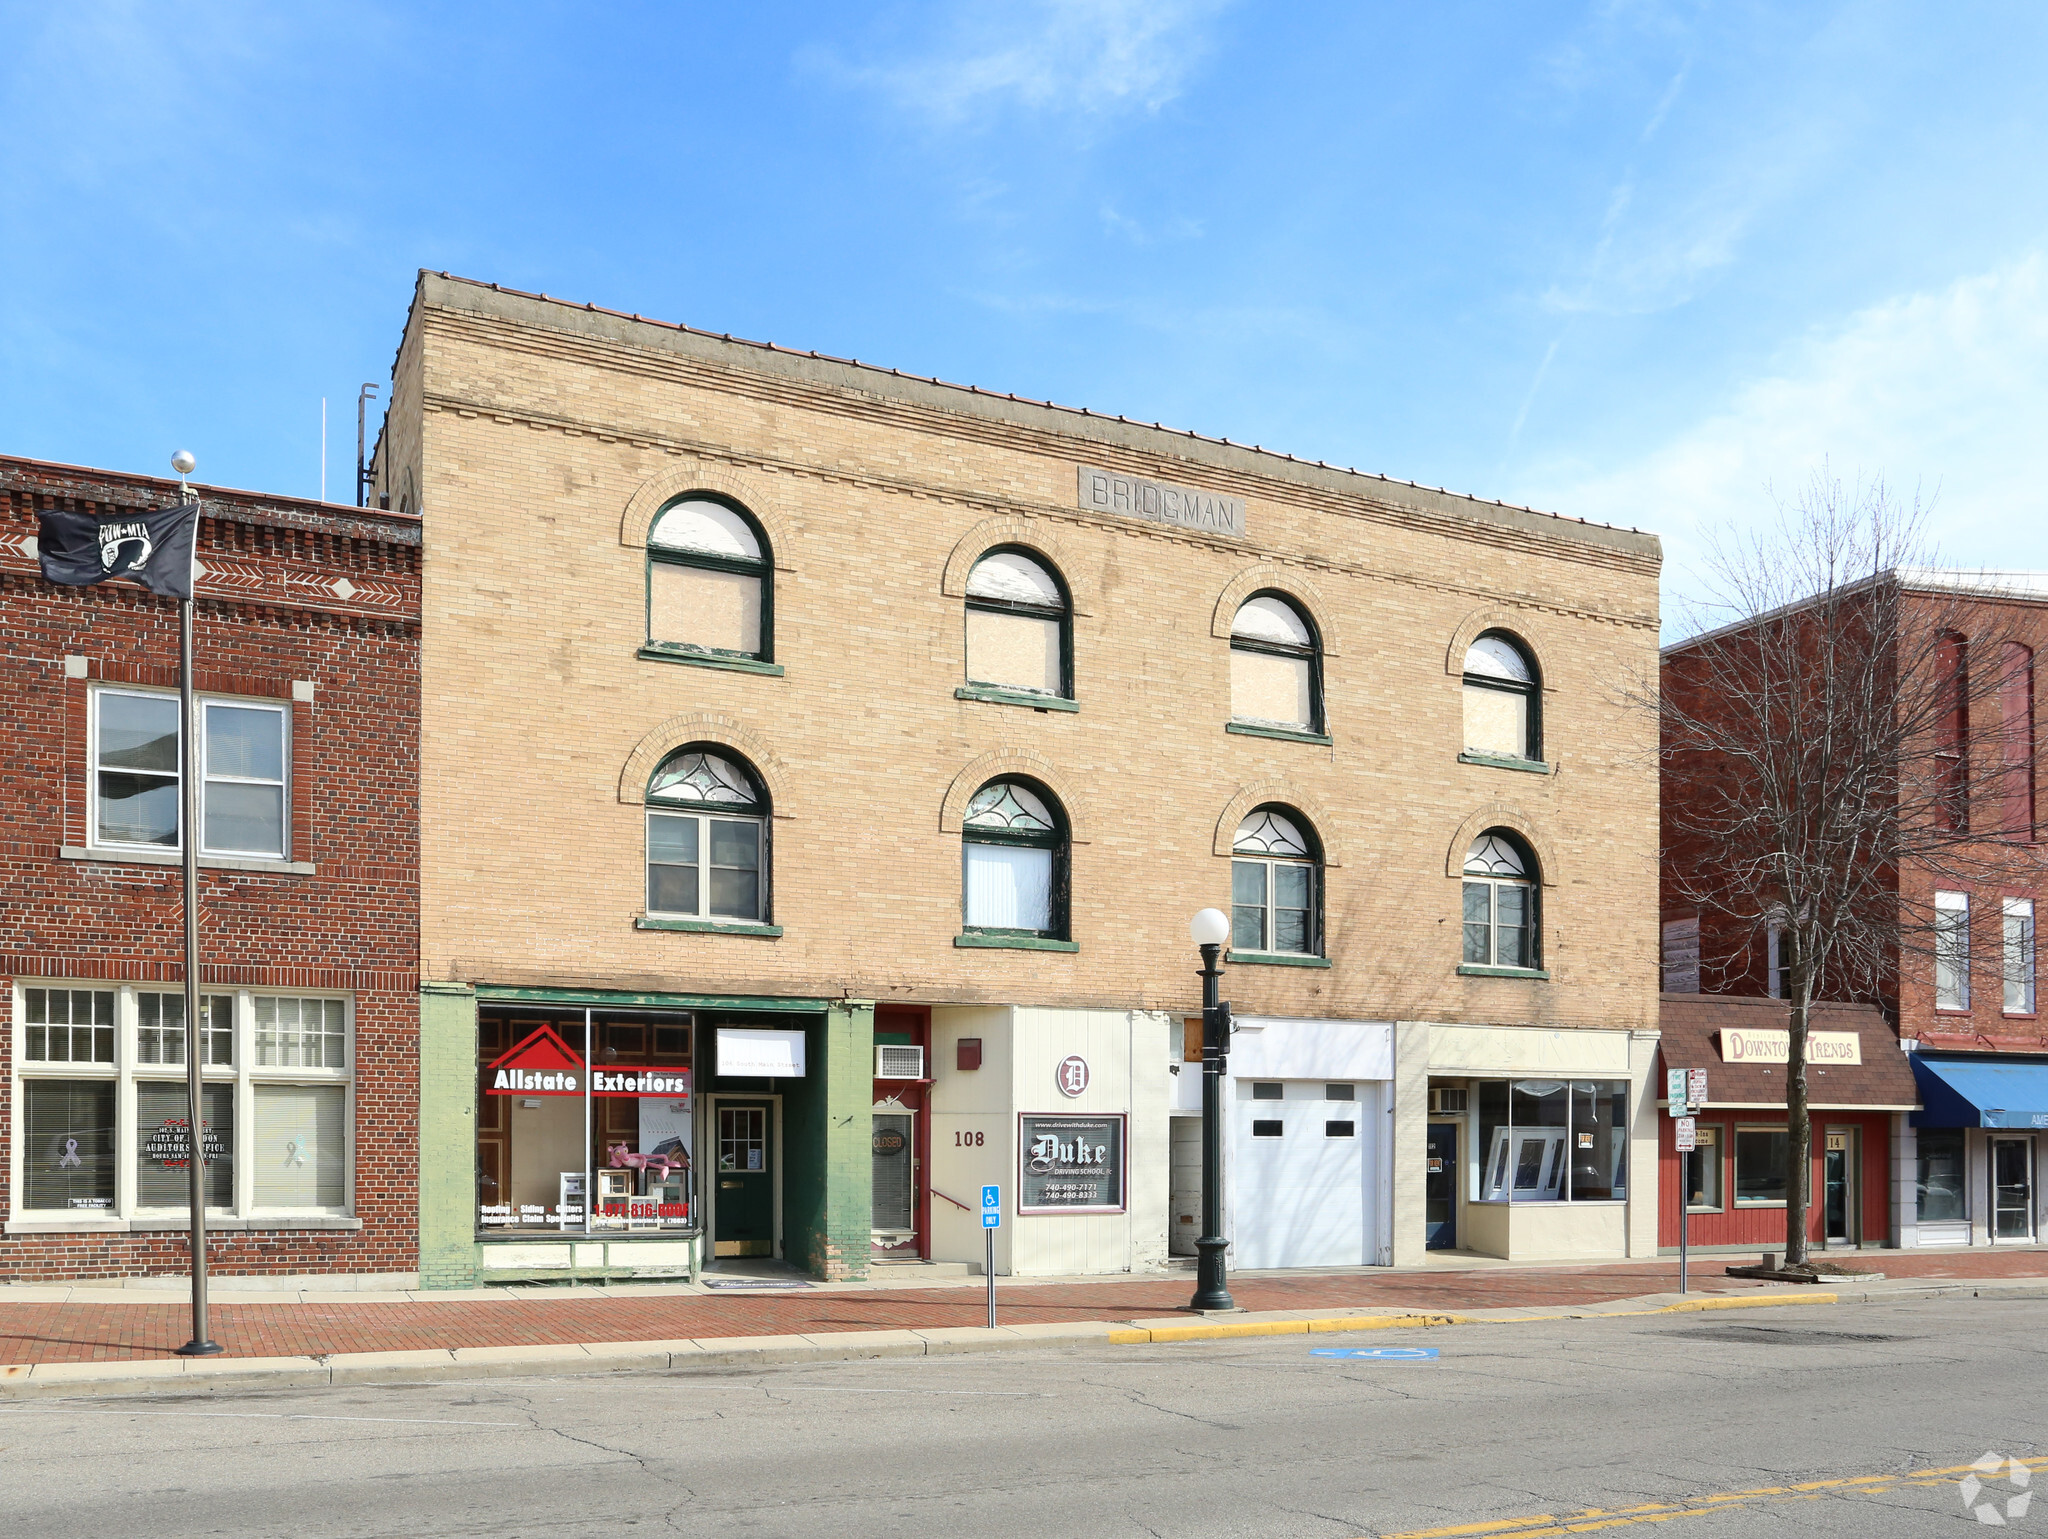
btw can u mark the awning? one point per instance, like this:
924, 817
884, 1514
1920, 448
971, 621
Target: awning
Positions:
1963, 1093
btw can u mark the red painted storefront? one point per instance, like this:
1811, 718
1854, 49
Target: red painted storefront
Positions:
1853, 1106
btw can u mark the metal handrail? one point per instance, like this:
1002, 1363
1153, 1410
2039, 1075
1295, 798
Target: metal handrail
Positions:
963, 1207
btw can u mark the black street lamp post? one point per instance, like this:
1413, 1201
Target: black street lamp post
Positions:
1210, 928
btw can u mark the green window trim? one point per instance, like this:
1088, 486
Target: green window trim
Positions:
706, 926
1501, 761
676, 652
996, 940
991, 695
1283, 734
1275, 959
1474, 970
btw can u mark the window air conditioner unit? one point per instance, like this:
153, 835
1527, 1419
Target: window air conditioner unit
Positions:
894, 1061
1447, 1098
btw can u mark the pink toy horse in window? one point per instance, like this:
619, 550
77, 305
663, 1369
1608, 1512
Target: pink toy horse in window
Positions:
657, 1165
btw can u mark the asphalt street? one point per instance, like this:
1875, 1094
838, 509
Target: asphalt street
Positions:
1846, 1420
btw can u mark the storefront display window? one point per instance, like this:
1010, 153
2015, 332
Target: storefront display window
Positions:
574, 1141
1549, 1140
101, 1083
1703, 1170
1941, 1181
1762, 1158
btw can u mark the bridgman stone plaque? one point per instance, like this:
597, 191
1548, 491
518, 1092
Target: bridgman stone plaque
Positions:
1159, 502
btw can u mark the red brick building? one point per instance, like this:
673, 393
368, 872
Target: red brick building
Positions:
307, 666
1966, 1166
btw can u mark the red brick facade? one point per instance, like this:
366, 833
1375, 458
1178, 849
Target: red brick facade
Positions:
294, 594
2002, 805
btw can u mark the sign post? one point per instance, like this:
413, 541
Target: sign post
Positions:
1686, 1093
991, 1221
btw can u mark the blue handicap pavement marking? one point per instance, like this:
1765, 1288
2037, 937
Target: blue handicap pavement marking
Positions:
1385, 1354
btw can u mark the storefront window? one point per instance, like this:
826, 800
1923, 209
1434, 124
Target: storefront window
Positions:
163, 1145
1549, 1140
1762, 1156
1703, 1170
1940, 1184
69, 1161
104, 1092
569, 1141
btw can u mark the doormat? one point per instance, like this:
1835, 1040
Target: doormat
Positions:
756, 1282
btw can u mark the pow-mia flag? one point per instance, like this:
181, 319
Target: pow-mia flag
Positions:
153, 549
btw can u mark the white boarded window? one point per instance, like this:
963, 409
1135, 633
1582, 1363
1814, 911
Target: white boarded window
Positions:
1500, 695
1273, 675
707, 580
1017, 625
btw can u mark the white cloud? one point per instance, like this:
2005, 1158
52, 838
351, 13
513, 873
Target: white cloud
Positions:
1082, 56
1946, 392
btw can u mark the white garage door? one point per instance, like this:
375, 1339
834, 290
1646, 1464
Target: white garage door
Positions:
1304, 1193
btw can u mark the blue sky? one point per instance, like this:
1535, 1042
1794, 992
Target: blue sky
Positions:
1647, 263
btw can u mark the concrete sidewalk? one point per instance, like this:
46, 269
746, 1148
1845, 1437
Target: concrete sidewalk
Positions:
81, 1336
206, 1376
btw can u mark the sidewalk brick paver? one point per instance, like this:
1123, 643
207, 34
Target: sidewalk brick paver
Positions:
94, 1332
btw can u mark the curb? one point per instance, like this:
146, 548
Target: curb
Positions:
209, 1376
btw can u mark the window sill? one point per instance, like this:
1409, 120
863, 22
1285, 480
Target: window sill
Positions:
1283, 734
1274, 959
1502, 761
707, 927
988, 694
1739, 1203
1706, 1210
652, 653
1473, 970
1014, 943
215, 1224
106, 855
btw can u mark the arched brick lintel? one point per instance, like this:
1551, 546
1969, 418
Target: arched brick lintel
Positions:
1288, 580
999, 762
1515, 820
1522, 624
752, 490
1011, 529
1261, 792
705, 727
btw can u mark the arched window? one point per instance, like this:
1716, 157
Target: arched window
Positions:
1275, 665
1019, 627
1500, 902
1273, 900
1014, 862
1952, 732
708, 582
1501, 695
707, 838
2016, 733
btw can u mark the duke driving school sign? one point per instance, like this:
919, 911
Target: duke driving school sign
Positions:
1822, 1047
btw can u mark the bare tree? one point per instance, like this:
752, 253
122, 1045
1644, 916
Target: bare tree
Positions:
1819, 736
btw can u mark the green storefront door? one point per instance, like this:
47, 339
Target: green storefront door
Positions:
746, 1181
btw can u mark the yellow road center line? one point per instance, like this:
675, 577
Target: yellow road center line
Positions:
1659, 1512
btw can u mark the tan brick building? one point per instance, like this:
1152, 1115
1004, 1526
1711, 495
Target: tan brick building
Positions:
825, 707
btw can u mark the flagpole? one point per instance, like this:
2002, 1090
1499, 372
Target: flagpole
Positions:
201, 1344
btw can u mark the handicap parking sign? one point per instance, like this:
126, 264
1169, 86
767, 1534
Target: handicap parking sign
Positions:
1383, 1354
991, 1220
991, 1197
